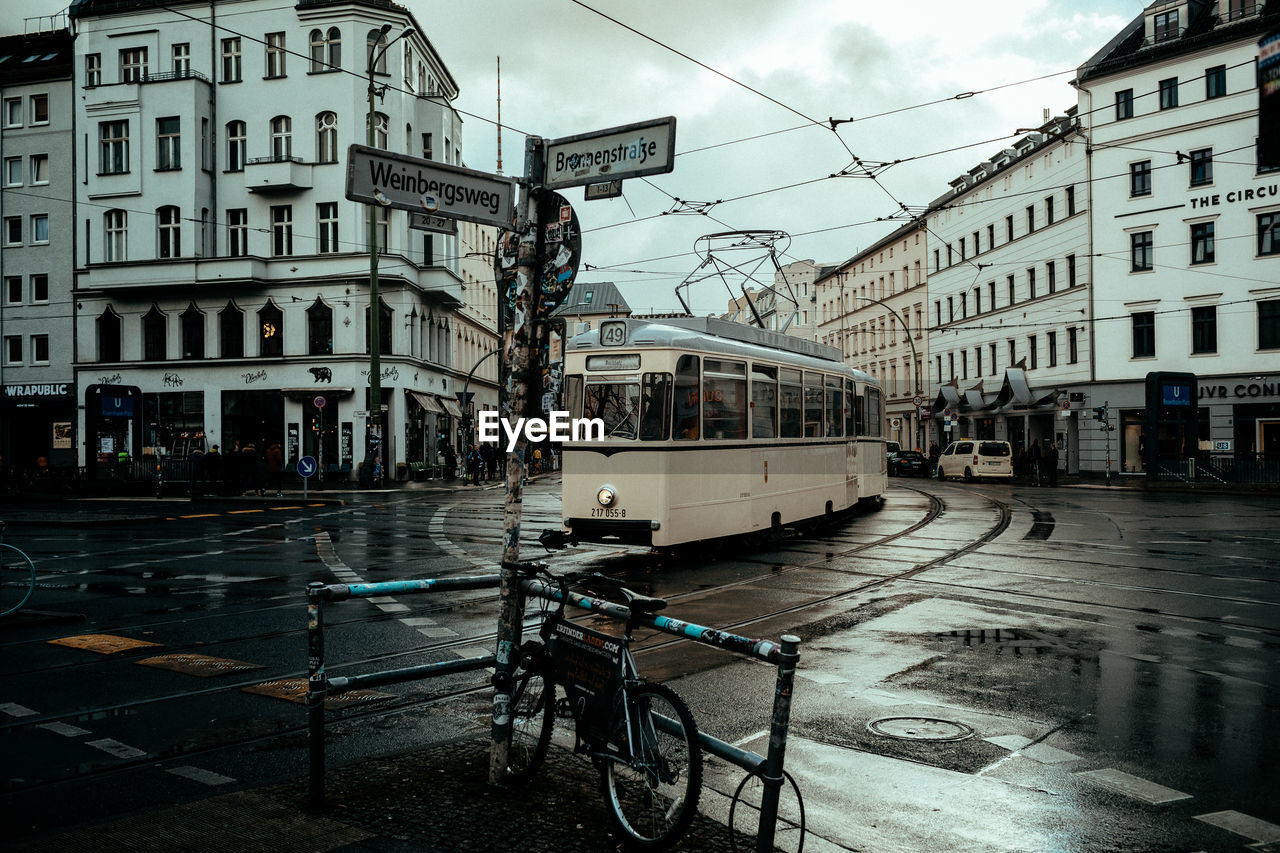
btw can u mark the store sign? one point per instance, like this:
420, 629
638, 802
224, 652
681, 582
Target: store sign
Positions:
37, 391
1241, 391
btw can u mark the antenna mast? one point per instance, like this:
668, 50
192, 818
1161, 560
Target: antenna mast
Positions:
499, 115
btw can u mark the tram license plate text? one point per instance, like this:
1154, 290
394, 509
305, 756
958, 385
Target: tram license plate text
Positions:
608, 512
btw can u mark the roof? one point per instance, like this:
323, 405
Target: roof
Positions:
42, 56
597, 297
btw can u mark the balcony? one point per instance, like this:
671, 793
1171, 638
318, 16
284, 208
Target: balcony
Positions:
277, 175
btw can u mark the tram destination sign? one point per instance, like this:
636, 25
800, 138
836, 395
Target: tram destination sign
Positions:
630, 151
423, 186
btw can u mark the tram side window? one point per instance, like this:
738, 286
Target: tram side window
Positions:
812, 405
764, 401
835, 415
655, 403
573, 394
790, 401
724, 398
684, 426
615, 403
860, 414
874, 419
850, 412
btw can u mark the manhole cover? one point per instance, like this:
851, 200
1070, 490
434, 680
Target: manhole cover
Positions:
920, 728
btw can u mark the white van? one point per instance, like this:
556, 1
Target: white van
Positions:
972, 459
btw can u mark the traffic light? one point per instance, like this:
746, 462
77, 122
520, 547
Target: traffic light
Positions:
1100, 412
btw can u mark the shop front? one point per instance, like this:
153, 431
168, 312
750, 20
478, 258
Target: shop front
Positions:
36, 430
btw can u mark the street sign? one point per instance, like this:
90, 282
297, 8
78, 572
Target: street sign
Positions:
431, 222
1222, 446
918, 400
926, 413
629, 151
394, 180
608, 189
319, 402
307, 466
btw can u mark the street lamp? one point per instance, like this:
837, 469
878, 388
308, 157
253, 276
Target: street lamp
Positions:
915, 360
371, 445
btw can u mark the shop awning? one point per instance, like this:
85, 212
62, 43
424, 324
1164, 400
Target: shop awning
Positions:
974, 399
427, 402
450, 406
948, 398
1016, 392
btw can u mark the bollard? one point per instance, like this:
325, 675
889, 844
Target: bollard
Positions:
772, 774
317, 688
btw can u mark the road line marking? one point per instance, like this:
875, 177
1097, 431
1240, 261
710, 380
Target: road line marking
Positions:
111, 746
201, 515
64, 729
208, 777
13, 709
1242, 824
1133, 786
241, 511
394, 608
1009, 742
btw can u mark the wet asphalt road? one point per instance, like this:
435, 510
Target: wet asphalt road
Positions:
1108, 657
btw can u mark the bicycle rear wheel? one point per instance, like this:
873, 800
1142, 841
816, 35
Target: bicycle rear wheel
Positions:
533, 700
653, 796
17, 579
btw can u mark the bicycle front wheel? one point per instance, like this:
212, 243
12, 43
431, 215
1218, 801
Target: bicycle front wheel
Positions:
17, 579
653, 793
533, 700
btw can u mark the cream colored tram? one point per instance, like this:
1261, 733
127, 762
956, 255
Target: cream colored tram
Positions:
714, 429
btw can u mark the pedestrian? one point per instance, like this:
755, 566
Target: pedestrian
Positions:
537, 460
473, 465
275, 468
491, 455
213, 468
1034, 458
450, 461
935, 453
1051, 462
195, 472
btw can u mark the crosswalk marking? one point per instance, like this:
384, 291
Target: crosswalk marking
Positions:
207, 777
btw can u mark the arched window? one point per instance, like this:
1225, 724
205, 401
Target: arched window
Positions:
154, 335
319, 329
281, 138
109, 335
231, 332
335, 48
385, 317
270, 330
375, 42
327, 137
168, 232
115, 235
326, 50
381, 130
236, 135
192, 332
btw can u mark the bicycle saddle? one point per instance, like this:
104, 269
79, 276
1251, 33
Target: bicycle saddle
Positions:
643, 603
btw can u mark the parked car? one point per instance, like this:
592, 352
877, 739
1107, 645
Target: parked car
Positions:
891, 450
910, 463
973, 459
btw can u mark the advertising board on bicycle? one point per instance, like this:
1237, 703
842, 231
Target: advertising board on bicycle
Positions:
588, 664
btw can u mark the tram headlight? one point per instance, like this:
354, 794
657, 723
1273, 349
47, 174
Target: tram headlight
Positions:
606, 496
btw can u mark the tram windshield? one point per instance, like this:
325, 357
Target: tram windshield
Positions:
615, 403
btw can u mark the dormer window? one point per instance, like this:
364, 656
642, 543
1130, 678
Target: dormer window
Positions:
1165, 25
1237, 9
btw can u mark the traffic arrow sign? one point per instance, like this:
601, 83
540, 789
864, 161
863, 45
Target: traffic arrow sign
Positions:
307, 466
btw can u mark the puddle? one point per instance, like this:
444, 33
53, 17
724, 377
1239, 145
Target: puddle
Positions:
1014, 642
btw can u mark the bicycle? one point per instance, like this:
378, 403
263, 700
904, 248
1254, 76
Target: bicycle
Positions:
640, 735
14, 560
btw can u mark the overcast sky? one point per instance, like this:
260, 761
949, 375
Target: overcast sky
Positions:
566, 70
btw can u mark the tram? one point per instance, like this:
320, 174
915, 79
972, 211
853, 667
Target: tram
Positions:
714, 429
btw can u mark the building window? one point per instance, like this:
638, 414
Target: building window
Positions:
991, 351
181, 59
39, 109
1202, 249
1237, 9
93, 69
231, 332
951, 364
1269, 324
1071, 201
1051, 275
237, 232
192, 328
204, 144
154, 335
231, 60
275, 54
13, 112
169, 232
1204, 329
1073, 346
1051, 347
40, 349
13, 290
40, 228
237, 132
1140, 178
951, 309
1166, 25
1033, 352
1124, 104
282, 230
13, 171
381, 125
1013, 352
1141, 252
109, 335
1201, 167
1012, 294
991, 295
13, 230
426, 146
40, 288
382, 227
1031, 218
115, 235
270, 330
977, 300
13, 349
1215, 82
326, 50
1048, 211
1031, 282
327, 137
327, 222
1144, 334
1269, 233
133, 64
1071, 271
168, 143
384, 328
319, 329
977, 361
1169, 93
374, 43
281, 138
964, 364
113, 147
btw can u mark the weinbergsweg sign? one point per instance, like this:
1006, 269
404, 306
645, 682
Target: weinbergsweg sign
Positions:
630, 151
387, 179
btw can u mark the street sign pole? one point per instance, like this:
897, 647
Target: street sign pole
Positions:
516, 347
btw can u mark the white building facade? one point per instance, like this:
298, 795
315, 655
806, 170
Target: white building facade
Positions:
1186, 228
223, 285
